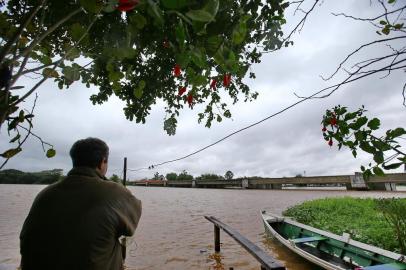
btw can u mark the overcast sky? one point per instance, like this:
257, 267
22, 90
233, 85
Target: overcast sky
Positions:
286, 145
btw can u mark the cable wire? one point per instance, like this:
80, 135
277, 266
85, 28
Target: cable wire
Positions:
332, 89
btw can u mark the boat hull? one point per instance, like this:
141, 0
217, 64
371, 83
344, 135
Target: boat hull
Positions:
328, 250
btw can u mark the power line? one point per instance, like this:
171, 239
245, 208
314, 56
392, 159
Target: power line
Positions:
332, 89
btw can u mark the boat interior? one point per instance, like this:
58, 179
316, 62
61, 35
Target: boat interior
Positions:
336, 252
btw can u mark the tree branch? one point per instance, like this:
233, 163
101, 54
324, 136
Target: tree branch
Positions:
27, 51
357, 50
13, 40
369, 19
299, 26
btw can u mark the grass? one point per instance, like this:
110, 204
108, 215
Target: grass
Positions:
358, 217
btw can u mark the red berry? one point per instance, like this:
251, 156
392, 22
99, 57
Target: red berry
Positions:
177, 70
227, 80
181, 90
213, 84
324, 129
333, 121
330, 142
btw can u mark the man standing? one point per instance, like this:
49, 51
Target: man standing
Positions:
76, 223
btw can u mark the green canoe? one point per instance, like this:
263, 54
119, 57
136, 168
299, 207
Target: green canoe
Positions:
328, 250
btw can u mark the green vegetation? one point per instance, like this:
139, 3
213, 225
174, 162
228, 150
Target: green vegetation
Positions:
210, 176
116, 178
355, 131
182, 176
19, 177
378, 222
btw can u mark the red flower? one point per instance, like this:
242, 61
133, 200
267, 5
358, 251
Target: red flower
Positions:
324, 129
126, 5
177, 70
213, 84
330, 142
227, 80
181, 90
190, 99
333, 121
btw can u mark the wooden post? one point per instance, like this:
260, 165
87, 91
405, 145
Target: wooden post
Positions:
216, 238
125, 172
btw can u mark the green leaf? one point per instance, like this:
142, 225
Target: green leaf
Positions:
397, 132
362, 168
50, 153
358, 123
183, 59
50, 73
378, 171
200, 15
386, 30
198, 58
366, 174
213, 43
11, 152
72, 54
392, 166
239, 33
180, 33
383, 22
71, 73
174, 4
350, 116
374, 124
156, 13
212, 7
378, 157
138, 20
77, 31
140, 89
367, 147
92, 6
381, 145
170, 125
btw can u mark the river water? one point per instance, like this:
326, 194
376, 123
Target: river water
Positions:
173, 233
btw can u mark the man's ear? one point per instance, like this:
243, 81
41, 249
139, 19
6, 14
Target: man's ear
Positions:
104, 160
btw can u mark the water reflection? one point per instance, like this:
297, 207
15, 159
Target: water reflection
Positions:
287, 257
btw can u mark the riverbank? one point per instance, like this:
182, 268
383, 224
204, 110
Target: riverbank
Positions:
365, 219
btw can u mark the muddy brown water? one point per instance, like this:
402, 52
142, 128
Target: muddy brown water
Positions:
173, 233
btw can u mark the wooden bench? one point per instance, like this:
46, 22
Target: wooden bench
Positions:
308, 239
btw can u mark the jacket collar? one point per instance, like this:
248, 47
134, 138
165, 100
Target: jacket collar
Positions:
85, 171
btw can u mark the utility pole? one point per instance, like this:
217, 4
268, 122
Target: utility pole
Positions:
125, 172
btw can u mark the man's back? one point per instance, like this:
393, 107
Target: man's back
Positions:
76, 223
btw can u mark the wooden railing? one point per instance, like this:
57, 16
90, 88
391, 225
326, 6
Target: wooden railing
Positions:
267, 261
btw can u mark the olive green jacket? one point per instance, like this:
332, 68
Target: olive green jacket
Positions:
75, 224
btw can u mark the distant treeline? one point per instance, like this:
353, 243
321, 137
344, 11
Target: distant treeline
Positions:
12, 176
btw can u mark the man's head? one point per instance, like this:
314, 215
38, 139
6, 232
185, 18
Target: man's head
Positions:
90, 152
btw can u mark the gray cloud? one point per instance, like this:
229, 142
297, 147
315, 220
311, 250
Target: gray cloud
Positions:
286, 145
